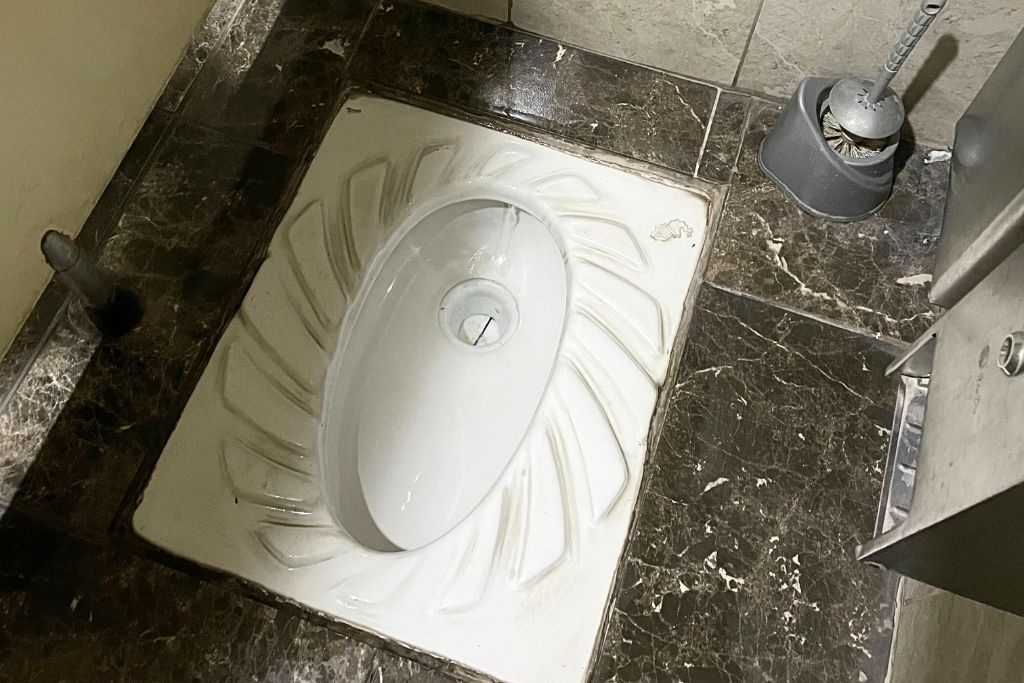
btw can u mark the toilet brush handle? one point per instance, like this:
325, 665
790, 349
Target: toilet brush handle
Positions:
915, 29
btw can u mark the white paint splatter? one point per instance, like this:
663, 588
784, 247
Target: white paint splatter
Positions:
714, 484
711, 561
561, 53
761, 482
918, 280
337, 46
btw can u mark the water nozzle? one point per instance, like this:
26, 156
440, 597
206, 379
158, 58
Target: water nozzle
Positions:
113, 309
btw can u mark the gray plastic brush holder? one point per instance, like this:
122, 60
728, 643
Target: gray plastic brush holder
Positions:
817, 178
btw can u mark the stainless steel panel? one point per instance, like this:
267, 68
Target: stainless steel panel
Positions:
962, 531
984, 216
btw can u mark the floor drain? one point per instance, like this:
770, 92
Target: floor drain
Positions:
479, 314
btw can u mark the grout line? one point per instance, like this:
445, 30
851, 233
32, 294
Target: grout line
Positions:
30, 361
746, 45
897, 609
896, 344
707, 131
748, 115
508, 19
358, 44
373, 665
214, 50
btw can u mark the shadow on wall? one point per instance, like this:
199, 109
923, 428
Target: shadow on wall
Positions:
946, 48
942, 54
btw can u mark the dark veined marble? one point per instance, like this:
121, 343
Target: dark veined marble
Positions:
279, 71
872, 274
203, 43
188, 241
389, 668
766, 476
624, 108
723, 142
74, 611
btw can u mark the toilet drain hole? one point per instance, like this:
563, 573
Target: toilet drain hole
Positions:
478, 314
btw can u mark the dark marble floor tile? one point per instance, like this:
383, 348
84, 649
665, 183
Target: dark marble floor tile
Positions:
145, 144
78, 612
871, 274
198, 51
189, 241
390, 668
35, 404
599, 101
767, 474
277, 75
723, 142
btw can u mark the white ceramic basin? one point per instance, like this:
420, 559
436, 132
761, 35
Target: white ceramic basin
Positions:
430, 416
441, 371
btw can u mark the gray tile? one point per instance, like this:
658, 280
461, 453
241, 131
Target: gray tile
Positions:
944, 638
626, 109
701, 38
74, 611
766, 476
723, 143
841, 38
867, 274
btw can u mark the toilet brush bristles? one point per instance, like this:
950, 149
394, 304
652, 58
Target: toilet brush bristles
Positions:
845, 143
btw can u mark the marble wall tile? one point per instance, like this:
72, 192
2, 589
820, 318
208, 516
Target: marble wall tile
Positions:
204, 41
944, 637
871, 274
189, 241
798, 38
35, 404
74, 611
767, 474
575, 94
701, 38
723, 142
279, 71
494, 10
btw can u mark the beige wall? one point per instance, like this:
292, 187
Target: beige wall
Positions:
707, 40
77, 79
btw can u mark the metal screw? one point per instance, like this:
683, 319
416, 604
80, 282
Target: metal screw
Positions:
1011, 354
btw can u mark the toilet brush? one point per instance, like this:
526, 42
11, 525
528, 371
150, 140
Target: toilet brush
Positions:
832, 149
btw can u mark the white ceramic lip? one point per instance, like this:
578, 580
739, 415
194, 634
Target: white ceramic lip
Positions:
430, 427
240, 486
